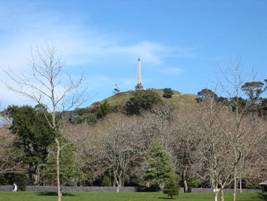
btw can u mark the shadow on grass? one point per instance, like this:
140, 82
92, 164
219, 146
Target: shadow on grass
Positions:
55, 194
263, 196
167, 198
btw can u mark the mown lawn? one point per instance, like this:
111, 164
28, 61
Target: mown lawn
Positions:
27, 196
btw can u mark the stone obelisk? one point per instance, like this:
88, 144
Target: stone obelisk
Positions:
139, 85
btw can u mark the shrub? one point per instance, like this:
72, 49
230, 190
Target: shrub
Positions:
167, 93
103, 109
106, 181
90, 115
171, 187
89, 118
19, 179
142, 100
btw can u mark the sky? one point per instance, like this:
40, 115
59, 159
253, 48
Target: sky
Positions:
184, 45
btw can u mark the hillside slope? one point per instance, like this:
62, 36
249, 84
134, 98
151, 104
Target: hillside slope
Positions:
177, 98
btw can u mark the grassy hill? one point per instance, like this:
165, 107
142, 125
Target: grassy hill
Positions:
177, 98
117, 102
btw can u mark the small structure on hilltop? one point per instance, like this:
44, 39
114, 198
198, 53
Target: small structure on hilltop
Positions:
116, 89
139, 85
264, 186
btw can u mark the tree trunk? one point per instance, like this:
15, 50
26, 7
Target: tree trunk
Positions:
32, 174
118, 188
235, 184
222, 194
240, 185
185, 182
59, 194
216, 195
185, 186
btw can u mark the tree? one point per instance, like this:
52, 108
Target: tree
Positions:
142, 100
69, 168
242, 109
34, 136
184, 143
206, 94
239, 106
171, 187
123, 145
253, 89
167, 93
103, 110
9, 162
214, 147
158, 166
48, 86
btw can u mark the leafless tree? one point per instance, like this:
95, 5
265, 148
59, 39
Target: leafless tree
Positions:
184, 142
124, 143
233, 88
50, 87
213, 145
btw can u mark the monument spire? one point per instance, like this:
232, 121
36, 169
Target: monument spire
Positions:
139, 85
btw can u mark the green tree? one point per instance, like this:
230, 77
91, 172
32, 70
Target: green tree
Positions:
171, 187
69, 168
253, 89
34, 136
142, 100
158, 166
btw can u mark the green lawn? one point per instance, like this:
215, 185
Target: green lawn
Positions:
27, 196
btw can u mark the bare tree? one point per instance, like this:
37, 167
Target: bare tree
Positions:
212, 145
184, 142
233, 88
123, 144
48, 86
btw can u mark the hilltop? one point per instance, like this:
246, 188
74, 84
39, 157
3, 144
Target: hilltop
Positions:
177, 98
130, 102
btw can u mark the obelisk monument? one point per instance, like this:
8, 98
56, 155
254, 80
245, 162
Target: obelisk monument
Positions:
139, 85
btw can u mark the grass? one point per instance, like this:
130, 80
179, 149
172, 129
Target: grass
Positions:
121, 98
97, 196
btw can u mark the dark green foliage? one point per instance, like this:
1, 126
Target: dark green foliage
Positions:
171, 187
167, 93
34, 135
238, 102
106, 181
90, 115
69, 169
142, 100
158, 165
103, 110
10, 178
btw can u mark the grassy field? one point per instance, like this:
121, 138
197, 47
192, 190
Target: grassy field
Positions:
27, 196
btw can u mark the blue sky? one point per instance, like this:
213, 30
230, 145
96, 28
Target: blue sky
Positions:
183, 44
